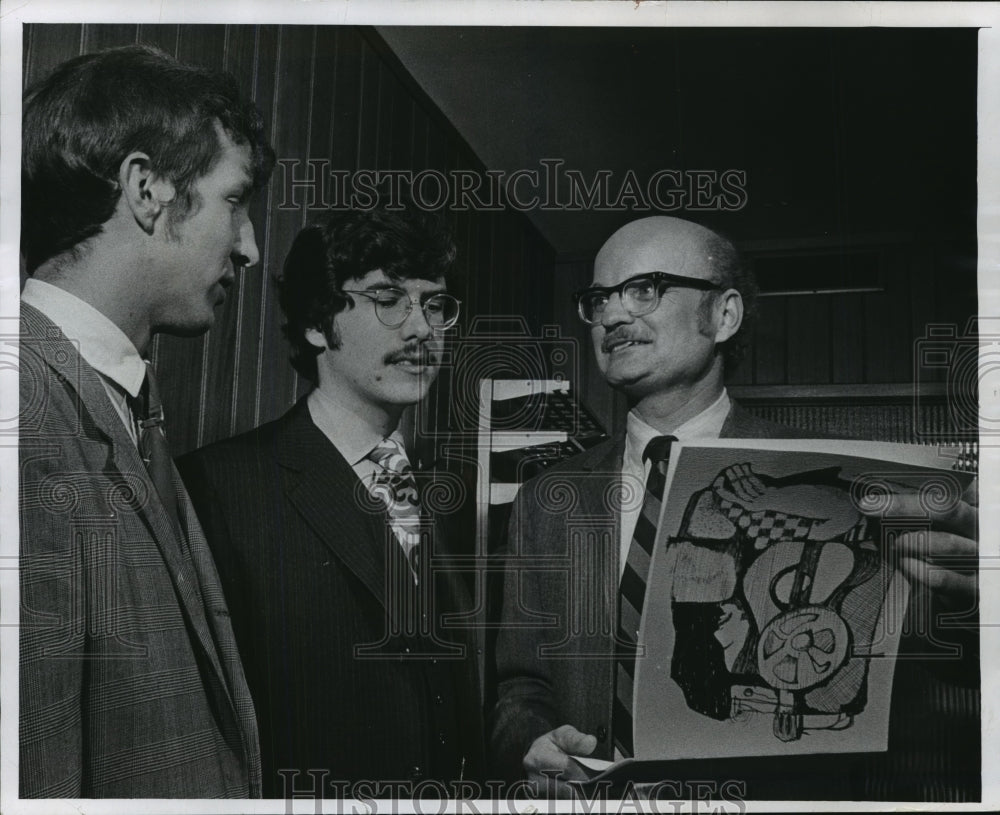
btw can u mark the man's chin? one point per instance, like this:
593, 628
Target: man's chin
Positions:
624, 381
188, 328
401, 398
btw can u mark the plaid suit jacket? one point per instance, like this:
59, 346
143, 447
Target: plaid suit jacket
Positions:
130, 681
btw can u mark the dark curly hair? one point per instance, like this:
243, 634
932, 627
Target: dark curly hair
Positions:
346, 245
85, 117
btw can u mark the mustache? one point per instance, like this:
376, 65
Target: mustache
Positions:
414, 354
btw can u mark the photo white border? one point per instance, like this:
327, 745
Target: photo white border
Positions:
621, 13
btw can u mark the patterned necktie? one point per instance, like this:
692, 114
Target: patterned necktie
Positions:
148, 411
397, 489
632, 591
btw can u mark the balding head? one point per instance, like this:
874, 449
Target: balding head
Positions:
673, 245
658, 243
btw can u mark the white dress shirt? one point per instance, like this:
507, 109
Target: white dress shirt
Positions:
101, 343
706, 425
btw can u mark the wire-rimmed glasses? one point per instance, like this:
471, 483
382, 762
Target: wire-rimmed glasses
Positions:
393, 306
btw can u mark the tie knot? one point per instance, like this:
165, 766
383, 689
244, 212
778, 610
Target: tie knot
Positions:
390, 455
658, 448
146, 406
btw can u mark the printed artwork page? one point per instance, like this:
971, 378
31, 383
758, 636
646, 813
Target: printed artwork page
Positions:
773, 610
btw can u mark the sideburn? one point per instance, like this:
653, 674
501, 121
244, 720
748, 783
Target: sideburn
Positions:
708, 301
331, 335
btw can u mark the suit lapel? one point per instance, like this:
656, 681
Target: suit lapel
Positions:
327, 493
606, 466
225, 656
99, 414
602, 468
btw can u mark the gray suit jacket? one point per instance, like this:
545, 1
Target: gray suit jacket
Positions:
553, 669
130, 681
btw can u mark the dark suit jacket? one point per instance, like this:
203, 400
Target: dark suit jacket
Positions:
130, 682
555, 653
347, 678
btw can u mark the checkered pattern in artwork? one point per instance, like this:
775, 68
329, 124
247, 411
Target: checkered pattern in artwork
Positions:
767, 527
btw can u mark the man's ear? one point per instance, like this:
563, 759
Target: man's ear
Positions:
729, 314
145, 193
315, 338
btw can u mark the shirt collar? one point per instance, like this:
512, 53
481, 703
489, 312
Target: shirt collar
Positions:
350, 433
103, 345
705, 425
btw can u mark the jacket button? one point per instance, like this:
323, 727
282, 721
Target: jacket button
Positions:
602, 733
439, 699
416, 773
441, 738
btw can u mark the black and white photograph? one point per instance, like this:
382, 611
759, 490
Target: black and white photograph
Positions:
498, 407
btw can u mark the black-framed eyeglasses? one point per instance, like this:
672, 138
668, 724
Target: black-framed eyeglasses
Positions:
639, 294
393, 306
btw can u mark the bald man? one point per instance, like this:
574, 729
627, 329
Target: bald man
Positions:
668, 308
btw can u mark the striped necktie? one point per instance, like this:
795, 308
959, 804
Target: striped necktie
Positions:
396, 487
632, 591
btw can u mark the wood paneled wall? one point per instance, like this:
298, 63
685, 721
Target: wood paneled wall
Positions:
867, 338
327, 93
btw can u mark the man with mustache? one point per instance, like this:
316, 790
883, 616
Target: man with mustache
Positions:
321, 536
137, 172
668, 310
